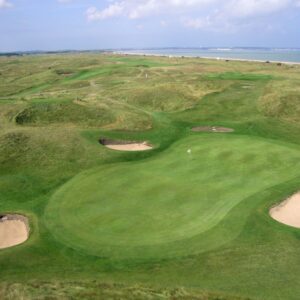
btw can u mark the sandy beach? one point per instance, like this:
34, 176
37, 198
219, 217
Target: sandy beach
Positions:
206, 57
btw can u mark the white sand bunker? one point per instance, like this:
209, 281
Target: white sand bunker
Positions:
212, 129
288, 212
14, 230
125, 145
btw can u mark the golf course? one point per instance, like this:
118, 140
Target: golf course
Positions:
149, 177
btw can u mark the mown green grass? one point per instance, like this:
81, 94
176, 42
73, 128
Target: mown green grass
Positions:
120, 211
234, 178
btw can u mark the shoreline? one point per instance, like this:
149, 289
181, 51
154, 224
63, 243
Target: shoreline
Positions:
206, 57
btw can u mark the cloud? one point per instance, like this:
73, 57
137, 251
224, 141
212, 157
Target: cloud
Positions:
136, 9
197, 23
113, 10
197, 14
140, 27
236, 14
163, 23
249, 8
5, 4
214, 22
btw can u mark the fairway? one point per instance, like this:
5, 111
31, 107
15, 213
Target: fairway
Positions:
160, 206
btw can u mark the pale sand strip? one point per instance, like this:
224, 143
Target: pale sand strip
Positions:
288, 212
206, 57
14, 230
130, 147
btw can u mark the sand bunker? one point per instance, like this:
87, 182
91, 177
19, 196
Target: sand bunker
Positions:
212, 129
14, 230
288, 212
125, 145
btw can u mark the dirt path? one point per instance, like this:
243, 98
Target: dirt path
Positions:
288, 212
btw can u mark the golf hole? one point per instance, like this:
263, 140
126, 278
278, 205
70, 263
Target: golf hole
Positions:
211, 129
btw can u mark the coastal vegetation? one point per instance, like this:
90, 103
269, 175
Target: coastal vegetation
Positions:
187, 219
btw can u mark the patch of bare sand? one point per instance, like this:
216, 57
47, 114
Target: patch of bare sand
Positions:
125, 145
211, 129
130, 147
14, 230
288, 212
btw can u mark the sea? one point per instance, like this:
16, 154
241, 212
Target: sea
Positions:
289, 55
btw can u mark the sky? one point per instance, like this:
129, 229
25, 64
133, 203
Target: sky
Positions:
113, 24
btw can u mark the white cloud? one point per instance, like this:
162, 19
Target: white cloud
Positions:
197, 14
5, 4
239, 13
249, 8
140, 27
214, 22
136, 9
163, 23
113, 10
197, 23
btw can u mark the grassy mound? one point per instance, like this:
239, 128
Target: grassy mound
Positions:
162, 98
47, 113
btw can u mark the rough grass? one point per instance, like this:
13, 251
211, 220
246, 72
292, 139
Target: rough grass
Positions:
282, 101
48, 113
58, 140
97, 290
239, 76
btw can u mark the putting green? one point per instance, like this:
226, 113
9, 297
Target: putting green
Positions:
176, 203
